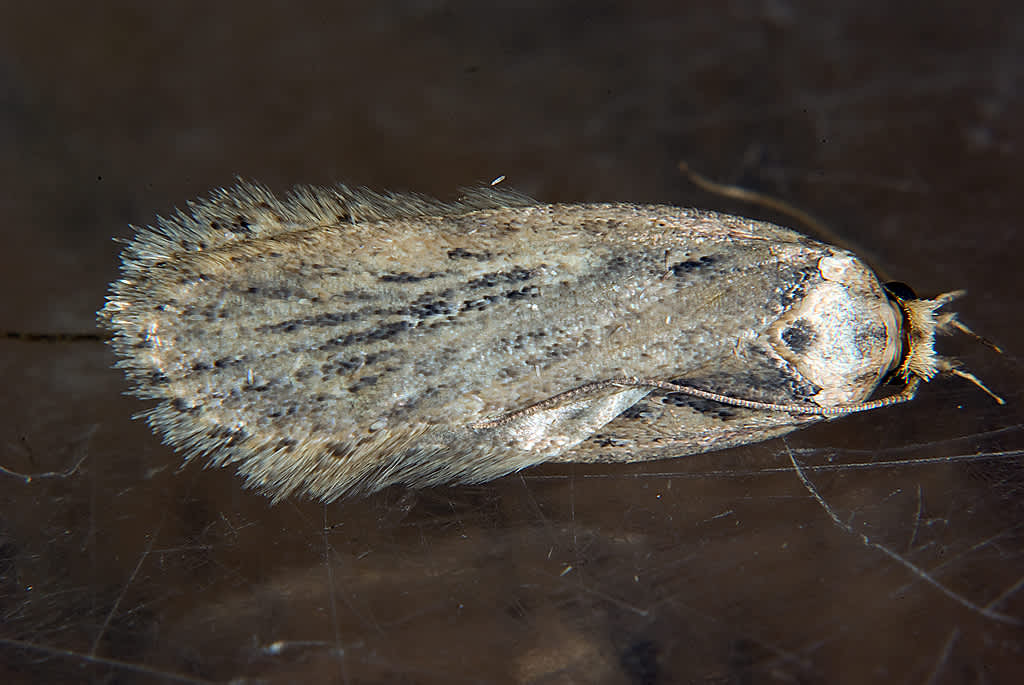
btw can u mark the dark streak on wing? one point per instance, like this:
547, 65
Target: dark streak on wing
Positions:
432, 304
691, 265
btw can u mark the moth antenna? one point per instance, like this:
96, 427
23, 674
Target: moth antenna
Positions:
908, 393
764, 200
920, 363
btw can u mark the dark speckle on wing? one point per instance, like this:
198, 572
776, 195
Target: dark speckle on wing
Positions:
689, 266
798, 336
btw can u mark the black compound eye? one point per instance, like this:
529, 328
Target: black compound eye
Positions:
900, 291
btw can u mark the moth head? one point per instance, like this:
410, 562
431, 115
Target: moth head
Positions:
922, 320
848, 334
842, 335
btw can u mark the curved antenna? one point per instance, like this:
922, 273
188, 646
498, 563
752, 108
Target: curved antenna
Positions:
821, 231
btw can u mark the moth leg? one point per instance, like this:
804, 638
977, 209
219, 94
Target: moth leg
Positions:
563, 421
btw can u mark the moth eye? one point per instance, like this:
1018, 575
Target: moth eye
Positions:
798, 336
899, 291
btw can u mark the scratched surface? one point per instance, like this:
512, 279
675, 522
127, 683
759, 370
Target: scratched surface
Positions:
895, 554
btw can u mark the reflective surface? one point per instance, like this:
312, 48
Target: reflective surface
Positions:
899, 558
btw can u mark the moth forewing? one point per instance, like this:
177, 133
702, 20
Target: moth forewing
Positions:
340, 341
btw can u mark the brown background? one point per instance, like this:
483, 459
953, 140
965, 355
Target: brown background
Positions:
902, 128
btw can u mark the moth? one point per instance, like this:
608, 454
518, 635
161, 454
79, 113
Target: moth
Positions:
339, 341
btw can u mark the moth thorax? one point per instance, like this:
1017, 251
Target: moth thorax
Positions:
844, 336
